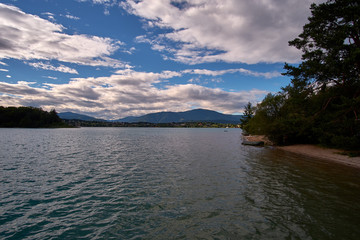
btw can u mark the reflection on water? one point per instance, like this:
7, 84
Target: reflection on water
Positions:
312, 199
143, 183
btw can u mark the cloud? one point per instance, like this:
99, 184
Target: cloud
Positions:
102, 1
8, 76
2, 63
50, 77
19, 89
3, 70
29, 37
125, 93
69, 16
46, 66
239, 70
130, 51
106, 3
25, 83
49, 15
201, 31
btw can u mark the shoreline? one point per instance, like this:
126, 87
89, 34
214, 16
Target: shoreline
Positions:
325, 154
313, 151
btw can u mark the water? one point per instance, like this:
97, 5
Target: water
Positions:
148, 183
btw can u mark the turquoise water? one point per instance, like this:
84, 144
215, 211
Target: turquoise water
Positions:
158, 183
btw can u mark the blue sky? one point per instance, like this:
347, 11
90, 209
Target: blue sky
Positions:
116, 58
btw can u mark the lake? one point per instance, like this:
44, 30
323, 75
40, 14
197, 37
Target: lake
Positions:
167, 183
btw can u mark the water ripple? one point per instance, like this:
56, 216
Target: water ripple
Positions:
103, 183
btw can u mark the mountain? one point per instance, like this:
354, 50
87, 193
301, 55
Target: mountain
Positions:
76, 116
197, 115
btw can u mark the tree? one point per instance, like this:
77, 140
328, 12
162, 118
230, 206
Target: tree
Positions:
330, 69
29, 117
249, 111
322, 103
268, 118
330, 43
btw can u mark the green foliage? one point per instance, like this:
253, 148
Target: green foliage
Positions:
249, 111
322, 103
29, 117
330, 44
270, 117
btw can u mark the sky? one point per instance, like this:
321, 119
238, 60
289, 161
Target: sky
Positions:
116, 58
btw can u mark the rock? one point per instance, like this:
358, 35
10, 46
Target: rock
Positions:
253, 143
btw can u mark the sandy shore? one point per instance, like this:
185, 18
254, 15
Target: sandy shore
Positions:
323, 153
313, 151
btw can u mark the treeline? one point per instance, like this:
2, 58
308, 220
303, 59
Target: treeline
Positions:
322, 103
29, 117
81, 123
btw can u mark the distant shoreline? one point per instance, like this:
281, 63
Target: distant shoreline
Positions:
313, 151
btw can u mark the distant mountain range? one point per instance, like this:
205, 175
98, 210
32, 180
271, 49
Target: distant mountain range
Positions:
76, 116
197, 115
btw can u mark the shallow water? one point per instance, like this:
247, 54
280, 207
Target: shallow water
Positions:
159, 183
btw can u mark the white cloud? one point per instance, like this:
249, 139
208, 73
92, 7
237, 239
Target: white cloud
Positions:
2, 63
102, 1
50, 77
46, 66
29, 37
239, 70
8, 76
125, 93
226, 30
69, 16
106, 3
25, 83
49, 15
3, 70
